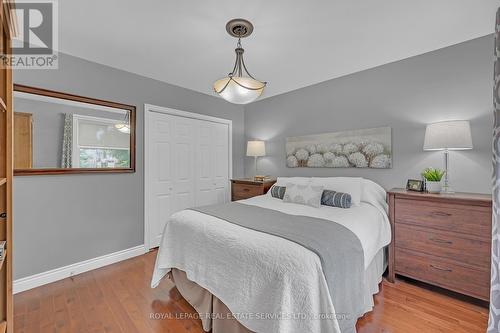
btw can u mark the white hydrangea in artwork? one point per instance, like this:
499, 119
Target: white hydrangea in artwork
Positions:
358, 160
316, 161
381, 162
321, 148
290, 150
302, 154
335, 148
311, 149
328, 156
339, 162
373, 148
350, 148
292, 162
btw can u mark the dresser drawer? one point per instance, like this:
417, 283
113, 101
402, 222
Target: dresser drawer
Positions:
444, 273
244, 191
470, 250
470, 220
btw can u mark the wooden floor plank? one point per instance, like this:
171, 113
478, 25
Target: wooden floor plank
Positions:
118, 299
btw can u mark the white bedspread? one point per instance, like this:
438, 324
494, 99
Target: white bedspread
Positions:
269, 283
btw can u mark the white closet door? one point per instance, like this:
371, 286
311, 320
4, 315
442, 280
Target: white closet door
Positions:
212, 167
205, 160
183, 163
221, 163
187, 166
160, 174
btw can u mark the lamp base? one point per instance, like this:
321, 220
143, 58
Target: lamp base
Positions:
448, 190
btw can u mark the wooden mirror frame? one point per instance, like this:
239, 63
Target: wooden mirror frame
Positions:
76, 98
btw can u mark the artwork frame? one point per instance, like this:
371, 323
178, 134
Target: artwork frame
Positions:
362, 148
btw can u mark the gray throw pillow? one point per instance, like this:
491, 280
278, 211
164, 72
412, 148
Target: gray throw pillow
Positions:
336, 199
278, 191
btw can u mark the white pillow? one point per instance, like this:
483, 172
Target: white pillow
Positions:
351, 185
282, 181
374, 194
303, 194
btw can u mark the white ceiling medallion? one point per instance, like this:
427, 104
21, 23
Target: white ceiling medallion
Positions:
239, 87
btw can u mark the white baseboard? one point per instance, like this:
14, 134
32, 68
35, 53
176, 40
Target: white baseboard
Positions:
57, 274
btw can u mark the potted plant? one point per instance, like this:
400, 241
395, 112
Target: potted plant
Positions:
433, 179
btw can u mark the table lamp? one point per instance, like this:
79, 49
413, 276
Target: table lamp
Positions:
448, 135
256, 149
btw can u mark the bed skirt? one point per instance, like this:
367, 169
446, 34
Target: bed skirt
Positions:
217, 317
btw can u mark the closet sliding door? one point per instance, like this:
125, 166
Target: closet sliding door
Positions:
212, 166
187, 165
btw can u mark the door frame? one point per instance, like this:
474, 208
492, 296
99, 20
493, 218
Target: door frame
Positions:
148, 109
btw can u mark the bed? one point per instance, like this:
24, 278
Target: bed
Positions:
244, 280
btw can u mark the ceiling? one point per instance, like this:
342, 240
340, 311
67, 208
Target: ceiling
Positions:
294, 44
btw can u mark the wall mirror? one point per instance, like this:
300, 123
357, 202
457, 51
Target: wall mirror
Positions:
58, 133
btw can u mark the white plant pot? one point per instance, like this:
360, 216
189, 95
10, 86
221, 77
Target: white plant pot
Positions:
433, 187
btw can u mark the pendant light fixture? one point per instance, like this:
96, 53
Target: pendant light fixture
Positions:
124, 126
239, 87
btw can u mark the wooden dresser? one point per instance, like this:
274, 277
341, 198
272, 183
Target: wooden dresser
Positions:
246, 188
442, 239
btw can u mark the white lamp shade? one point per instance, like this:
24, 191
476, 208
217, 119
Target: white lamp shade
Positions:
256, 148
452, 135
237, 93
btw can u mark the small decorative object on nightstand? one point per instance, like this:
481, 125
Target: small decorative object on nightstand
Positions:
442, 239
246, 188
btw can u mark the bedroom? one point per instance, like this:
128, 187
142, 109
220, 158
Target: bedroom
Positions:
118, 138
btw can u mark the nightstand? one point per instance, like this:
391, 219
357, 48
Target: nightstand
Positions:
442, 239
245, 188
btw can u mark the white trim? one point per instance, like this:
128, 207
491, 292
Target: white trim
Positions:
57, 274
148, 108
185, 114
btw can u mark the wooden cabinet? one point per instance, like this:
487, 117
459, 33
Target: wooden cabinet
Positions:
442, 239
6, 170
247, 188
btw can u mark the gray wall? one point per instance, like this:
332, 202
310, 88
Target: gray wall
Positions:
60, 220
451, 83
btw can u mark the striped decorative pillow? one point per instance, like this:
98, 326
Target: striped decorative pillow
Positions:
336, 199
278, 191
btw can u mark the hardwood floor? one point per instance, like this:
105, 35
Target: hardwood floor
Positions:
118, 298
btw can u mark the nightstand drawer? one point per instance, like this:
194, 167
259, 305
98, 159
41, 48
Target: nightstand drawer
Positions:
444, 273
246, 190
470, 220
471, 250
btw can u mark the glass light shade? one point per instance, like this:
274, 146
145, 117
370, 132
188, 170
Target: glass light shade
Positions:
123, 127
237, 94
452, 135
256, 148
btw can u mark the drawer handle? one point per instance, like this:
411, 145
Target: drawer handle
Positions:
246, 189
440, 214
442, 241
441, 269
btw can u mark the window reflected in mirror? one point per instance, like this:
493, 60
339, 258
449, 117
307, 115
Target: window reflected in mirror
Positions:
56, 133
